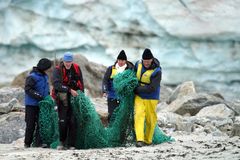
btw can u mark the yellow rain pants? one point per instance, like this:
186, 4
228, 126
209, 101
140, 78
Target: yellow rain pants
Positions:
145, 110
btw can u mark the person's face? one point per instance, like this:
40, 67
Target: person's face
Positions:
121, 62
67, 64
147, 62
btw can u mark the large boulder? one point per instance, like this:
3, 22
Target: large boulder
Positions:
165, 93
192, 104
184, 89
235, 106
8, 107
8, 93
211, 124
218, 111
12, 126
169, 118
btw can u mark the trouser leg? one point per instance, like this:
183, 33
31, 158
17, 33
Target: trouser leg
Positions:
151, 120
139, 117
72, 129
31, 115
62, 114
38, 139
112, 105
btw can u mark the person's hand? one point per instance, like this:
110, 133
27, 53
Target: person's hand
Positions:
74, 93
104, 94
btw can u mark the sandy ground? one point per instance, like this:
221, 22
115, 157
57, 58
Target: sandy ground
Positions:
186, 147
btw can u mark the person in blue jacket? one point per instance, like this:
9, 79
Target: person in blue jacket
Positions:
119, 66
147, 95
36, 88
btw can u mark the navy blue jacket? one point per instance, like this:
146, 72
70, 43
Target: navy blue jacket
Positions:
36, 87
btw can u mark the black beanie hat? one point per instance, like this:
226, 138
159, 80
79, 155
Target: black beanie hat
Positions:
122, 55
147, 54
44, 64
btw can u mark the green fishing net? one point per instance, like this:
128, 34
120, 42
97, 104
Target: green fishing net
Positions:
48, 122
91, 133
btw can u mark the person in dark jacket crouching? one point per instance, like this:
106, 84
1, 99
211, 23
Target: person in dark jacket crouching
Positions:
36, 88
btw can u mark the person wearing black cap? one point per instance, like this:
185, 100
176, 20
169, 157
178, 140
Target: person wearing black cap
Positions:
36, 88
107, 85
148, 72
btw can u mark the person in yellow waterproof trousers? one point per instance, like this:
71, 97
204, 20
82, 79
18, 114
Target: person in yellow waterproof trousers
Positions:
149, 75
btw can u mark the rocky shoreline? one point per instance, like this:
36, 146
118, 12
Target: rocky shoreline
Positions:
187, 146
205, 126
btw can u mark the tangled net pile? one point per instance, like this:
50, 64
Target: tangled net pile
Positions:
91, 133
48, 122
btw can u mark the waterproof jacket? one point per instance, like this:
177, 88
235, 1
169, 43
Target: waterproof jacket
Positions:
149, 80
107, 84
36, 87
64, 80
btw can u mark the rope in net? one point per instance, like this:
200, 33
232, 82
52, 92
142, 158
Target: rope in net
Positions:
91, 133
